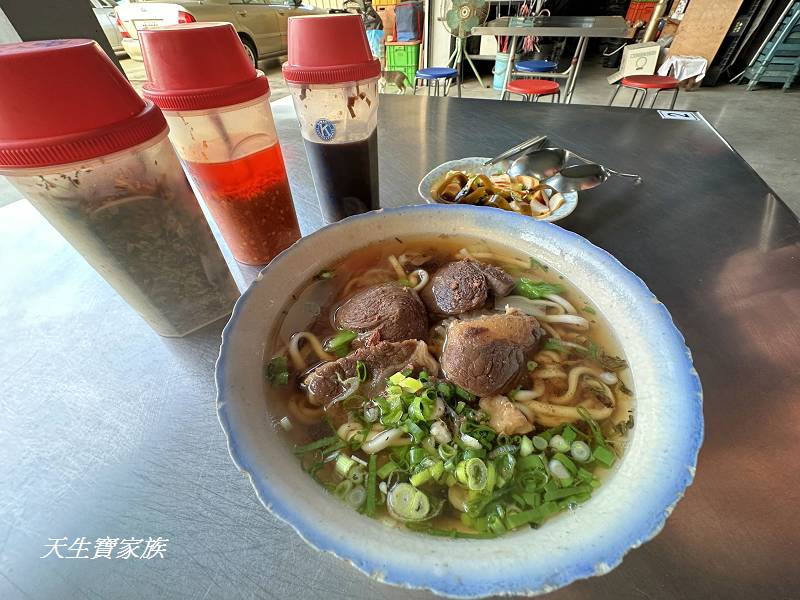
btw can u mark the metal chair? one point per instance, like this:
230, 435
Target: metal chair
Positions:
434, 76
532, 89
643, 83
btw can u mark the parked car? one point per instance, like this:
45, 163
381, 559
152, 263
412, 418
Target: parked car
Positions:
261, 24
104, 11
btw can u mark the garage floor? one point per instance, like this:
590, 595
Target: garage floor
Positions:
762, 125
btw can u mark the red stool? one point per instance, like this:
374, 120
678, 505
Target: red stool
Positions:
531, 89
643, 83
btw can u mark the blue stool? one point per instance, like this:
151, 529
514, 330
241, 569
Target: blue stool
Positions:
434, 76
535, 66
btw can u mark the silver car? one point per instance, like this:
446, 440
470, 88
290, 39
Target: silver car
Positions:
104, 11
261, 24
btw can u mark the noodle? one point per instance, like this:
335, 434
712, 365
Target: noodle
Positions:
398, 268
302, 412
563, 302
297, 357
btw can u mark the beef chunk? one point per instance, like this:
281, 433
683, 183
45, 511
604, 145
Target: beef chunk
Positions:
386, 312
464, 285
486, 355
504, 417
384, 359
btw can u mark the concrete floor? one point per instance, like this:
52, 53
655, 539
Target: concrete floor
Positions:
762, 125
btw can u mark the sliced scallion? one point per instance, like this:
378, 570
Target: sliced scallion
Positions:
407, 503
341, 340
343, 464
525, 446
580, 451
559, 444
539, 442
361, 371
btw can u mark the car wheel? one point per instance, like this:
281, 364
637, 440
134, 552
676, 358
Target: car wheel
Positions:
250, 49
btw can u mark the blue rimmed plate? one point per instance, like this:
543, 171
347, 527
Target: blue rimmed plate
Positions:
626, 511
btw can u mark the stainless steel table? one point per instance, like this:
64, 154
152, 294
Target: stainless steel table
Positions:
582, 28
108, 430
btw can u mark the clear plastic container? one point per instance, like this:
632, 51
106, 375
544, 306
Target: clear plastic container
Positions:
333, 77
217, 107
339, 124
134, 218
234, 159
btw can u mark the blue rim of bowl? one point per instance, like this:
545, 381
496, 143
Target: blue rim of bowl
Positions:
523, 584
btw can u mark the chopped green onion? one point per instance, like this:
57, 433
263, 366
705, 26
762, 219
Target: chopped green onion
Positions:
525, 446
356, 496
411, 384
462, 393
387, 469
505, 466
589, 310
278, 371
447, 452
318, 444
474, 453
569, 434
445, 390
473, 473
553, 344
460, 407
341, 340
423, 376
415, 455
532, 364
558, 470
419, 478
528, 463
324, 274
407, 503
584, 475
361, 371
437, 469
372, 485
343, 464
567, 492
396, 379
539, 442
405, 282
559, 444
535, 290
564, 460
604, 456
580, 451
415, 431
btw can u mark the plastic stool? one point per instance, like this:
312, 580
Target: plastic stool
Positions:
535, 66
531, 89
643, 83
435, 75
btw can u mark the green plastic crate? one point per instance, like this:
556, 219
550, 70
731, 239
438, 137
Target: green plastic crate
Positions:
405, 58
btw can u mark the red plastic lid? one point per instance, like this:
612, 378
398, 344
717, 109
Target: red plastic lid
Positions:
329, 49
64, 101
198, 65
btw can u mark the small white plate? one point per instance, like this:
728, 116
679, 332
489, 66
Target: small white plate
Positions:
474, 164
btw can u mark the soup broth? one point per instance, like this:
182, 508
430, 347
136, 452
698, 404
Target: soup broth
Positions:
449, 385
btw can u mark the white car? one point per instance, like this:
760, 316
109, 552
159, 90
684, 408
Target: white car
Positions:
261, 24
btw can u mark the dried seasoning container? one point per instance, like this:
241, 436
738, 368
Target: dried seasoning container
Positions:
93, 157
220, 121
333, 78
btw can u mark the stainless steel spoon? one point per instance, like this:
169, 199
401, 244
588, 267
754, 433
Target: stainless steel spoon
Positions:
585, 177
515, 151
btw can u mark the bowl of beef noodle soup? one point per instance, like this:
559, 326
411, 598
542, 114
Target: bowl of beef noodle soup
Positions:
460, 399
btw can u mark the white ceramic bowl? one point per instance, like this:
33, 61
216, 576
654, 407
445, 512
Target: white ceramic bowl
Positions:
626, 511
474, 164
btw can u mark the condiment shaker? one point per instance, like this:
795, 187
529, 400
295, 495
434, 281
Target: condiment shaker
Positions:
94, 159
217, 107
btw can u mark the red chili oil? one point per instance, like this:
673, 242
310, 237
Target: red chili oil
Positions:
251, 203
